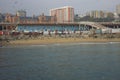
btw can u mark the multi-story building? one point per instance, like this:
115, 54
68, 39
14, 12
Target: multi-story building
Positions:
2, 17
108, 15
63, 14
100, 14
21, 13
96, 14
118, 9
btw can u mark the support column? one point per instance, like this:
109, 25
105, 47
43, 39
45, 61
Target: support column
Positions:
6, 28
2, 27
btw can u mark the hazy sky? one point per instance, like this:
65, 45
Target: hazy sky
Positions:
42, 6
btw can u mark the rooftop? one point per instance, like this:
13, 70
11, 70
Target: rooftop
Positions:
61, 7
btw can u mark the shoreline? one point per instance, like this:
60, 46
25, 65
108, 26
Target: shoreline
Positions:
49, 41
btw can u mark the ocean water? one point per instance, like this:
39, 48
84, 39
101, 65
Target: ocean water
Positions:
76, 61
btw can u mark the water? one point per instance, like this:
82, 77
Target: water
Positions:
80, 61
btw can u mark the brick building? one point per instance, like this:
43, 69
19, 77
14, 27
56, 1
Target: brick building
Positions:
39, 19
11, 18
51, 19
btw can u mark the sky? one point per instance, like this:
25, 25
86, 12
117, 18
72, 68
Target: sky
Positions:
37, 7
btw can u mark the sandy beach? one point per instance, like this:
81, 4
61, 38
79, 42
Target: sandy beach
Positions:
59, 40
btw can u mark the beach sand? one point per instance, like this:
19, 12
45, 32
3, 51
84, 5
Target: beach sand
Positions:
59, 40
